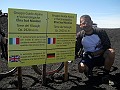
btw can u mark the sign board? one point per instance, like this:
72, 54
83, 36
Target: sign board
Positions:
39, 37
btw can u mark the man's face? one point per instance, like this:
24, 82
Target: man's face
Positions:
86, 24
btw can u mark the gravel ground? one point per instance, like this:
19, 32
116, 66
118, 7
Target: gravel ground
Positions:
76, 81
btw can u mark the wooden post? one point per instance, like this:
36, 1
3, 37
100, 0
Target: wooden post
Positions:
44, 75
66, 71
19, 78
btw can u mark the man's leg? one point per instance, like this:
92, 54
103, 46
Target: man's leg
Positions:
82, 67
109, 56
85, 66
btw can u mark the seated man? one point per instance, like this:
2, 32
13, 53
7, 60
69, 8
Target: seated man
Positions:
96, 46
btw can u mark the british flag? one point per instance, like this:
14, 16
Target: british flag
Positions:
15, 58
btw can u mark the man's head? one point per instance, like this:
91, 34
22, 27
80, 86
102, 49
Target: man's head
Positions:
86, 22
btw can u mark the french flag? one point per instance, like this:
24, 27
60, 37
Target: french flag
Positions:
51, 40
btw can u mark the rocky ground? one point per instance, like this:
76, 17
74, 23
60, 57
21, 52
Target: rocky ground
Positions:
76, 81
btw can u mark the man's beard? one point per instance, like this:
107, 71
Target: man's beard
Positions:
86, 28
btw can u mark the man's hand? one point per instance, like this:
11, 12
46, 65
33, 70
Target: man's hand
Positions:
88, 54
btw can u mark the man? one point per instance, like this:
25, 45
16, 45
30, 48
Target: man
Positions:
96, 46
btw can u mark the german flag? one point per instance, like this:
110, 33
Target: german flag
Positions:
51, 55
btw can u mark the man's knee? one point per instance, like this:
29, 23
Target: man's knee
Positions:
82, 67
109, 53
112, 50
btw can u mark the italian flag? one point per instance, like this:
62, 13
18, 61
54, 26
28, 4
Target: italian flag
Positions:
51, 40
14, 41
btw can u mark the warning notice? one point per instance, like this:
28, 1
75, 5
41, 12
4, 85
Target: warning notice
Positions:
39, 37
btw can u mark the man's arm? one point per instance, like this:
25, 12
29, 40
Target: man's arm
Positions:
99, 52
78, 45
105, 41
